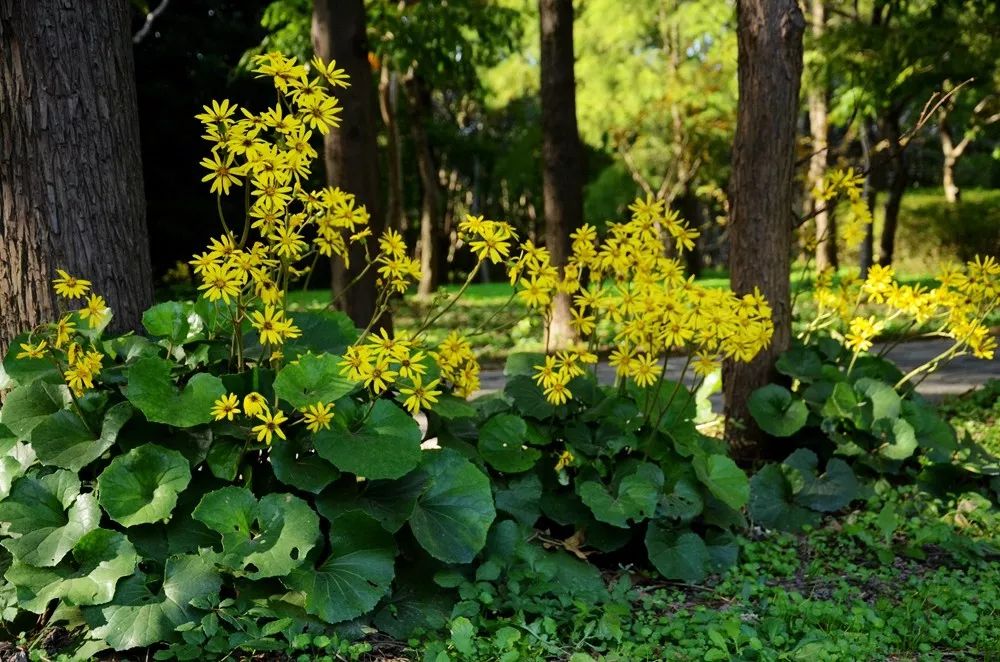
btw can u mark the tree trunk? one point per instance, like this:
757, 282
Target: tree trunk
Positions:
431, 222
951, 153
770, 69
562, 154
71, 193
826, 228
351, 151
870, 194
388, 92
897, 187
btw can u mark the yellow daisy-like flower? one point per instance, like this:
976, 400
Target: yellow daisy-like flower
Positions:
254, 404
64, 331
269, 324
220, 282
223, 174
557, 392
318, 416
270, 426
645, 370
29, 351
565, 459
95, 311
226, 407
420, 396
70, 287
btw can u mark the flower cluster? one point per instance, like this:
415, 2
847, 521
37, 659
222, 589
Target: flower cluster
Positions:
630, 280
854, 219
956, 308
268, 424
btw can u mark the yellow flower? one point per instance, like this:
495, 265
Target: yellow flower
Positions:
318, 416
321, 113
226, 407
218, 112
377, 376
223, 174
645, 370
32, 351
334, 76
95, 311
269, 325
420, 396
64, 331
565, 459
581, 322
862, 330
492, 244
546, 374
270, 426
70, 286
220, 282
254, 404
557, 392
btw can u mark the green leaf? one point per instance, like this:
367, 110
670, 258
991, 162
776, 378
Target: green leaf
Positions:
723, 479
462, 635
502, 444
46, 517
296, 465
312, 379
528, 398
152, 391
138, 617
933, 433
828, 492
777, 411
15, 459
670, 403
636, 497
224, 457
522, 363
771, 502
842, 403
521, 499
141, 486
266, 538
64, 440
677, 553
322, 332
455, 508
27, 406
386, 444
450, 407
802, 363
883, 400
391, 502
100, 559
356, 575
683, 503
899, 441
26, 370
171, 320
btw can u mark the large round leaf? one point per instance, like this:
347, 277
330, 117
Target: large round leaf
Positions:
312, 379
723, 479
356, 575
881, 399
502, 444
141, 486
772, 505
152, 391
15, 459
138, 617
899, 441
261, 539
23, 371
46, 517
802, 363
455, 508
677, 553
391, 502
99, 560
27, 406
64, 440
638, 491
296, 465
828, 492
776, 411
383, 444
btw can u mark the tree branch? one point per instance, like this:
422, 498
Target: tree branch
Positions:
150, 18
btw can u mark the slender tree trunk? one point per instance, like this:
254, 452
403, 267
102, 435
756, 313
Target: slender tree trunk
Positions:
71, 192
870, 194
562, 154
388, 94
826, 228
770, 70
897, 187
431, 209
951, 153
351, 151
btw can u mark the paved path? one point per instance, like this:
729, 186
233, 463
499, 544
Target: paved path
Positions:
958, 376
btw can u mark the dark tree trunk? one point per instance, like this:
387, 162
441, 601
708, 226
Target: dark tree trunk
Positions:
562, 154
770, 70
431, 208
388, 92
690, 210
71, 192
826, 228
897, 187
870, 193
351, 151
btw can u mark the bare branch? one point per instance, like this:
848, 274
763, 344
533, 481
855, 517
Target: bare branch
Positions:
150, 18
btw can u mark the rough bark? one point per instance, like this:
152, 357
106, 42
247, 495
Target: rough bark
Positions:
562, 154
431, 209
826, 228
897, 187
71, 191
770, 68
351, 151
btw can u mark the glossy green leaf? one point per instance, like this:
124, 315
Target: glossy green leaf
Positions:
141, 486
677, 553
296, 464
385, 444
312, 379
637, 494
27, 406
64, 440
455, 508
502, 443
777, 411
152, 390
723, 479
